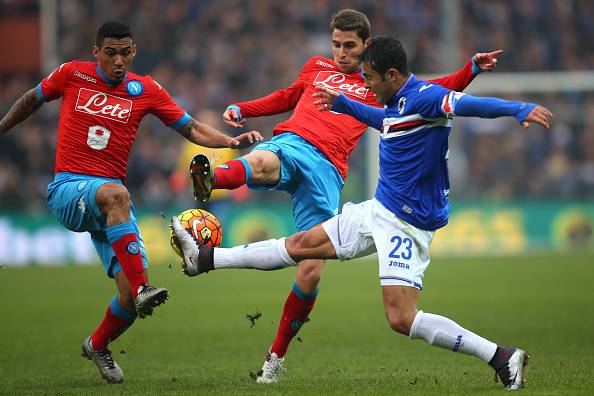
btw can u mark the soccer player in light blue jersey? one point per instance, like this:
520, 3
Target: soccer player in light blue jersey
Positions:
410, 203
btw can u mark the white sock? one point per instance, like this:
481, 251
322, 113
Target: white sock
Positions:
445, 333
267, 255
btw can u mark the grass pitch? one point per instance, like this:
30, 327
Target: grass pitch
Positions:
201, 342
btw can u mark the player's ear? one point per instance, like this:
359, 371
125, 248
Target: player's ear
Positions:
392, 74
133, 50
367, 42
95, 51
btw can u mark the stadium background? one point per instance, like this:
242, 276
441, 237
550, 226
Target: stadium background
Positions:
523, 197
513, 191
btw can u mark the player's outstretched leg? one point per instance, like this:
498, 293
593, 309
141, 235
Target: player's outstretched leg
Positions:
108, 368
267, 255
508, 364
197, 258
202, 176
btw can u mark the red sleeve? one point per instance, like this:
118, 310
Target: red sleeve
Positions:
277, 102
459, 80
52, 87
165, 108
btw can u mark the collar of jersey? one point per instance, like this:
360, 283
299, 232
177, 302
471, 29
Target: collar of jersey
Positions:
408, 82
109, 82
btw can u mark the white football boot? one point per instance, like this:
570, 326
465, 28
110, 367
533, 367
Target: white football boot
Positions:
108, 368
197, 258
510, 369
271, 369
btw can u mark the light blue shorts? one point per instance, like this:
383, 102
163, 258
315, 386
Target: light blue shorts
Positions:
71, 198
307, 175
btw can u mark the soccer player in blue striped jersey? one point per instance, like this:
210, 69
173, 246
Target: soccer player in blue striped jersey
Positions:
410, 204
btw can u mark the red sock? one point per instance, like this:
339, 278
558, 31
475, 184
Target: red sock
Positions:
294, 316
231, 174
127, 251
110, 328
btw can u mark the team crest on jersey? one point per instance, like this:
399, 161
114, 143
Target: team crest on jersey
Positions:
134, 88
103, 105
401, 104
338, 81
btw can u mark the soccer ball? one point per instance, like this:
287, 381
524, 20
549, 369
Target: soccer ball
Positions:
203, 226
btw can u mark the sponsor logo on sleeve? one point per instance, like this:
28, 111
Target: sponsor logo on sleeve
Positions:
103, 105
448, 103
341, 82
319, 62
85, 77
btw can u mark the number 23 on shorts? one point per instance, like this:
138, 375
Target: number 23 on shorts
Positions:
402, 247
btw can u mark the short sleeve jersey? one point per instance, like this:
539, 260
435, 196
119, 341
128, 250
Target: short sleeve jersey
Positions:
99, 118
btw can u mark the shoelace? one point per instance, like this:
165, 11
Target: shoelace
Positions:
274, 367
105, 358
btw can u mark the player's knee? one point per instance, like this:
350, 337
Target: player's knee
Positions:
264, 166
399, 323
116, 198
310, 273
299, 243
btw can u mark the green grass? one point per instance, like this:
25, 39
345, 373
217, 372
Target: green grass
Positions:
200, 342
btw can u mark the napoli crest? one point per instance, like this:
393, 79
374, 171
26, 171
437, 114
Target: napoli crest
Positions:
134, 88
133, 247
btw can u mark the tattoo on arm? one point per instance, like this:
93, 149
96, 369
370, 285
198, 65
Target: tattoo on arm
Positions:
186, 130
20, 110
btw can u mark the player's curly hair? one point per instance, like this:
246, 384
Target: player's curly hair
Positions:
351, 21
115, 29
385, 53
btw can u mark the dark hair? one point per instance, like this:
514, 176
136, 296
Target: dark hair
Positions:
385, 53
351, 21
115, 29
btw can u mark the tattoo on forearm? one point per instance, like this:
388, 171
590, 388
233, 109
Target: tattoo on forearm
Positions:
20, 110
186, 130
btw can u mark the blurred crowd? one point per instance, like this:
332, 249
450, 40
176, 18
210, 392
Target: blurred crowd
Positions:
209, 54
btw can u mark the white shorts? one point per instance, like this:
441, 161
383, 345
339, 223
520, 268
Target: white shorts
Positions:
402, 249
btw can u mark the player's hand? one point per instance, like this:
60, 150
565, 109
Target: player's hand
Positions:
486, 61
245, 140
539, 115
327, 97
232, 117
